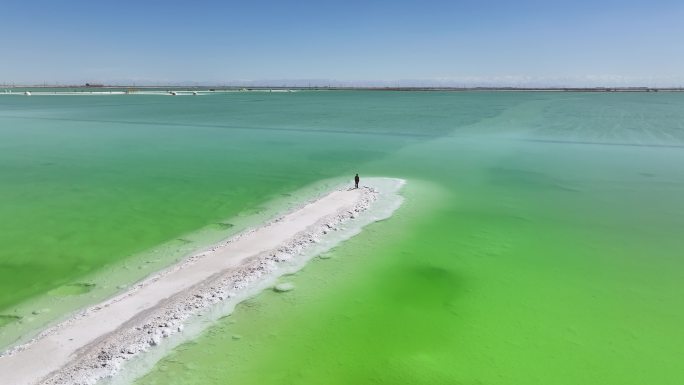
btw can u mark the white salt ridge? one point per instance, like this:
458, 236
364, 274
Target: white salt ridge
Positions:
82, 350
382, 208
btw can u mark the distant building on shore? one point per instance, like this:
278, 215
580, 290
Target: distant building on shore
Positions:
93, 85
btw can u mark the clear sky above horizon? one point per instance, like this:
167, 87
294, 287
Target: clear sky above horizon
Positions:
430, 42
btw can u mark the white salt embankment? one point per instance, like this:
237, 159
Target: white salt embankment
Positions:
95, 343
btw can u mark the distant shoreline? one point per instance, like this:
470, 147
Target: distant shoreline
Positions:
336, 88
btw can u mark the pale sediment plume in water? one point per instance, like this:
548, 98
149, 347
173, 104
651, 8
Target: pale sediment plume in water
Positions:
95, 344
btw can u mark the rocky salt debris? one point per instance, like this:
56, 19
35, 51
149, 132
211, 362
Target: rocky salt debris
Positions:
105, 358
283, 287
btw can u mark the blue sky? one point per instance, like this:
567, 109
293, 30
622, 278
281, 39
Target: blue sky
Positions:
496, 42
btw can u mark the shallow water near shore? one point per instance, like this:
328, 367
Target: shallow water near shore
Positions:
538, 243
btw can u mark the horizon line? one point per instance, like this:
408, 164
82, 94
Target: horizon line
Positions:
347, 87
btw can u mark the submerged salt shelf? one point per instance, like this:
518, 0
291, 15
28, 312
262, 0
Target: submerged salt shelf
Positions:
136, 321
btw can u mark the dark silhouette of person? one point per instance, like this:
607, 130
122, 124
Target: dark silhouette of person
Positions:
356, 180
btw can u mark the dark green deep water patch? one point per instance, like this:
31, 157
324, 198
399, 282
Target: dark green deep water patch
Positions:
8, 319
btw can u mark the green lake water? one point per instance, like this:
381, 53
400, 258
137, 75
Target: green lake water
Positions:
539, 242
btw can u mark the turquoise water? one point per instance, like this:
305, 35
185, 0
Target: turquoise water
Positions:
538, 242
